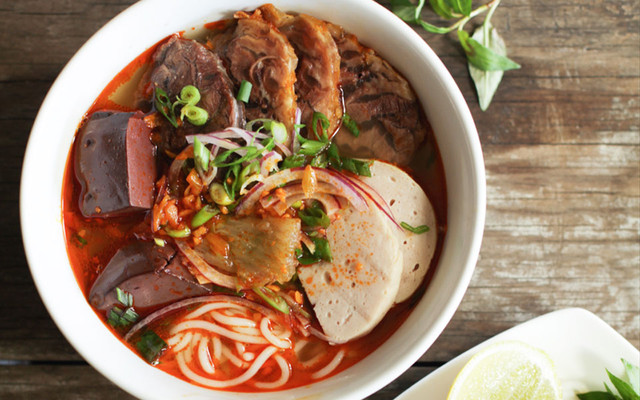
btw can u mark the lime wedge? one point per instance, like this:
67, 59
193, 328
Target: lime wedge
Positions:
507, 370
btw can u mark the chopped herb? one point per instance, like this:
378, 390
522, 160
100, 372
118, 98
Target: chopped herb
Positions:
295, 160
321, 252
278, 131
201, 154
150, 346
416, 230
125, 298
626, 391
196, 115
178, 233
189, 95
121, 317
230, 184
219, 194
81, 241
310, 147
163, 104
314, 216
324, 126
159, 242
350, 124
358, 167
273, 299
245, 91
203, 215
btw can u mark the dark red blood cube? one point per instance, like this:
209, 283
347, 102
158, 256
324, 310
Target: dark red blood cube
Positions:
115, 164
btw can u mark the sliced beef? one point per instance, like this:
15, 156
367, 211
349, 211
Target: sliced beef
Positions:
391, 121
180, 62
318, 72
115, 164
255, 51
153, 275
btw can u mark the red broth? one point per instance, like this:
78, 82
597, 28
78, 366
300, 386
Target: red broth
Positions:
91, 242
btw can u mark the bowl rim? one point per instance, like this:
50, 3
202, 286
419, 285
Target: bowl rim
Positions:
32, 237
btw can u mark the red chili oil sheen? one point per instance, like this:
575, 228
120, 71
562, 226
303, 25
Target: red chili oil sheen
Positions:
101, 238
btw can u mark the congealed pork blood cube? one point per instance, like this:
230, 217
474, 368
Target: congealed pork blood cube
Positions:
115, 164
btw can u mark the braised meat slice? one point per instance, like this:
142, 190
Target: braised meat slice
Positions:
180, 62
257, 52
391, 121
318, 71
115, 164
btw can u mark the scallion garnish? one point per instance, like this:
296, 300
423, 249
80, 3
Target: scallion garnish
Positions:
201, 154
273, 299
358, 167
159, 242
245, 91
295, 160
163, 104
310, 147
118, 317
350, 124
278, 131
203, 215
125, 298
324, 126
321, 252
178, 233
189, 95
196, 115
150, 346
416, 230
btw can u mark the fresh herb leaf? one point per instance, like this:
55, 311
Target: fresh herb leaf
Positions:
163, 104
633, 373
314, 216
626, 391
321, 252
487, 82
125, 298
483, 57
460, 6
406, 10
597, 396
201, 154
178, 233
310, 147
350, 124
273, 299
417, 230
293, 161
324, 126
119, 317
150, 346
442, 8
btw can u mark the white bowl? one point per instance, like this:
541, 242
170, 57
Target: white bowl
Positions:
127, 36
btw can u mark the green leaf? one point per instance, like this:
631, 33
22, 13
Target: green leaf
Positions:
432, 28
633, 373
406, 10
484, 58
150, 346
460, 6
596, 396
625, 389
487, 82
417, 229
314, 216
441, 8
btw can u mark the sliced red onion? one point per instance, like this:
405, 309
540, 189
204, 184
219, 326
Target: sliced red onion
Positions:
343, 187
205, 269
295, 189
269, 162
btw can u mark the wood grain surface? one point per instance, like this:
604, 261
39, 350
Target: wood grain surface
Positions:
561, 143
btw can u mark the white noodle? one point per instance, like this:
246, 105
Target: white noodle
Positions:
247, 330
186, 339
284, 376
248, 356
233, 321
239, 348
203, 356
213, 306
226, 352
248, 374
329, 367
175, 339
188, 354
217, 347
208, 326
273, 339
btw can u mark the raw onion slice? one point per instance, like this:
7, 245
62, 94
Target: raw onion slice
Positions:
343, 187
209, 272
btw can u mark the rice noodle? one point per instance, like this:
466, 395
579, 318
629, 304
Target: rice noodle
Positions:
284, 376
175, 339
329, 367
226, 352
271, 337
184, 342
211, 327
248, 374
233, 321
240, 348
213, 306
204, 357
248, 356
217, 347
247, 330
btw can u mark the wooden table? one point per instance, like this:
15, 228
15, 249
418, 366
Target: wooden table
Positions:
561, 144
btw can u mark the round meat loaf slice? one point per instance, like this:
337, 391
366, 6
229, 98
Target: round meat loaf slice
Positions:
409, 204
353, 293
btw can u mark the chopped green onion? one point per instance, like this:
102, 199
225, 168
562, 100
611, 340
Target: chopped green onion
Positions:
125, 298
178, 233
118, 317
417, 229
251, 153
324, 125
219, 194
82, 241
295, 160
196, 115
350, 124
159, 242
189, 95
358, 167
314, 216
278, 131
201, 154
310, 147
245, 91
163, 104
231, 180
297, 204
150, 346
205, 214
321, 252
273, 299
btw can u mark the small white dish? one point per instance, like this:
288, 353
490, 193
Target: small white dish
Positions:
580, 344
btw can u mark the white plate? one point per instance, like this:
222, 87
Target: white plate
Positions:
580, 344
